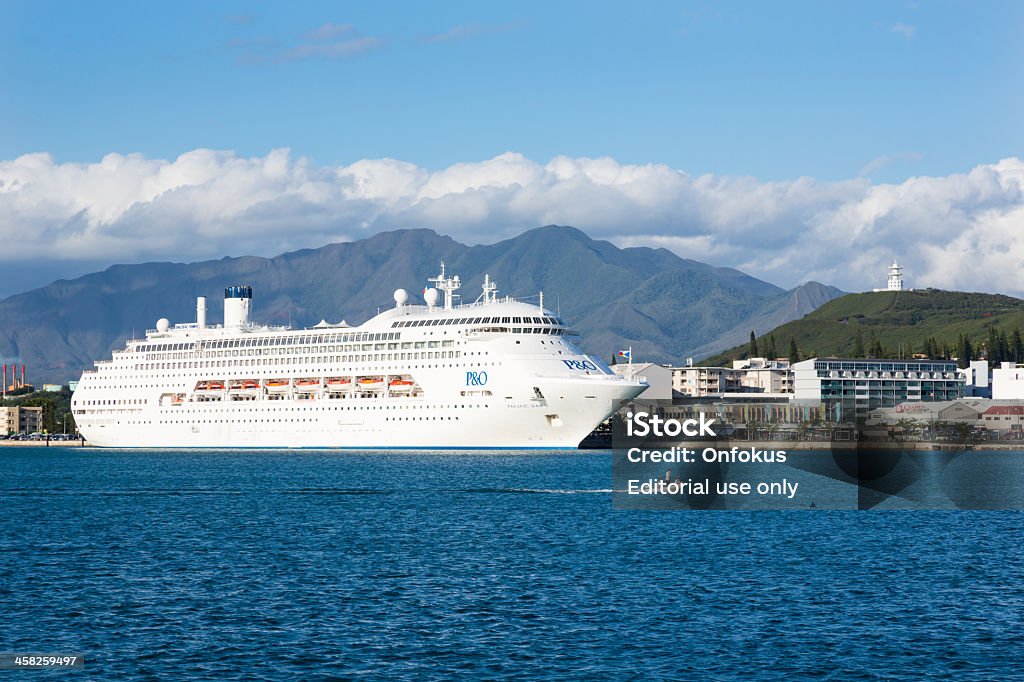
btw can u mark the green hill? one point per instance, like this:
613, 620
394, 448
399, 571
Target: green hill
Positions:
929, 321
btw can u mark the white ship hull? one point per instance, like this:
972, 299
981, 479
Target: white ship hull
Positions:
497, 374
332, 423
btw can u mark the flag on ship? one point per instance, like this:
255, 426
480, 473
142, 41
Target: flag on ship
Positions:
628, 354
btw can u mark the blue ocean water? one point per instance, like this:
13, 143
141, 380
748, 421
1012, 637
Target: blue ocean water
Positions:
320, 565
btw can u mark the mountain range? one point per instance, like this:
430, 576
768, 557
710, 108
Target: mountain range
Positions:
665, 307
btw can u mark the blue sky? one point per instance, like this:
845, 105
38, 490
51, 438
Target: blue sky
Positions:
794, 141
774, 90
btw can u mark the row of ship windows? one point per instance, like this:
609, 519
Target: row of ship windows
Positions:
276, 342
259, 352
442, 321
307, 360
271, 421
263, 341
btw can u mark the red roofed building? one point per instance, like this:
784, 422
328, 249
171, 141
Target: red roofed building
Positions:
1004, 418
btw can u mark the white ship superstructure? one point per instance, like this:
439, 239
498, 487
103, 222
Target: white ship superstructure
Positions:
496, 373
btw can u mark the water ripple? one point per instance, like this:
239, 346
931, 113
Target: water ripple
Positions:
277, 566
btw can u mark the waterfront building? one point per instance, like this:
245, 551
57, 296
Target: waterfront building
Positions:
967, 411
870, 383
21, 420
699, 382
658, 378
752, 375
1004, 418
976, 378
1008, 381
760, 375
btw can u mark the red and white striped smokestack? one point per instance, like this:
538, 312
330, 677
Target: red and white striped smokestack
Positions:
23, 376
5, 380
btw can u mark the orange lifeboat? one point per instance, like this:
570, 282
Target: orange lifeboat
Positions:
216, 386
371, 382
250, 384
400, 385
338, 383
307, 385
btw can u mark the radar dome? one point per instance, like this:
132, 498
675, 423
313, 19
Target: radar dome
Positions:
163, 324
430, 296
401, 296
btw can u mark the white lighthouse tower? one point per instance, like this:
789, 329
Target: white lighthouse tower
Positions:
895, 281
895, 277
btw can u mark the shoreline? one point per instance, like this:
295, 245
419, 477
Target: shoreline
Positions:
46, 444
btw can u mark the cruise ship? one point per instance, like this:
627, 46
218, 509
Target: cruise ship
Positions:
495, 373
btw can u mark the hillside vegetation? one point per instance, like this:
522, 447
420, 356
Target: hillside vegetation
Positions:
900, 324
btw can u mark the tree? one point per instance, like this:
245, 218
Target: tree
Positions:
1017, 346
771, 353
876, 350
992, 347
752, 346
615, 360
964, 352
858, 345
794, 352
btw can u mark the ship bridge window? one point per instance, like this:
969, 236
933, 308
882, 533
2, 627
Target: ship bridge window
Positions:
506, 320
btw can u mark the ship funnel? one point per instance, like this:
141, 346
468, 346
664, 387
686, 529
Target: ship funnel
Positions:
237, 301
201, 312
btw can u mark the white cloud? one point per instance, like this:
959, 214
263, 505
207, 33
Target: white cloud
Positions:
328, 31
964, 230
328, 41
464, 31
905, 30
342, 49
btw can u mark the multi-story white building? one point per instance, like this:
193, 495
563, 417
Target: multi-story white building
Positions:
753, 375
1008, 381
871, 383
765, 376
976, 378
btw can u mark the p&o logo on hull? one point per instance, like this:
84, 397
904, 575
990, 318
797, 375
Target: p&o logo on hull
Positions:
476, 378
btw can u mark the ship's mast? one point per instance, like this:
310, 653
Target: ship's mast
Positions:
449, 285
490, 289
